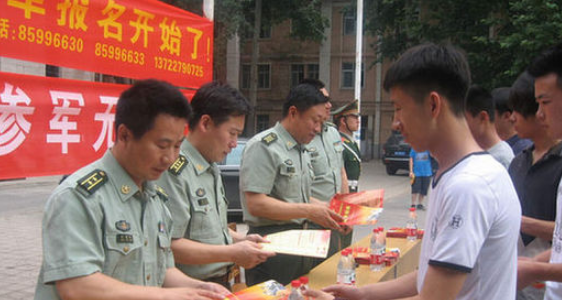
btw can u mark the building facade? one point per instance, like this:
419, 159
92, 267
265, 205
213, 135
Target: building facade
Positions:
284, 62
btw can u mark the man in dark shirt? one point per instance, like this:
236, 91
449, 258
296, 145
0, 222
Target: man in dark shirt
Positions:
535, 173
505, 123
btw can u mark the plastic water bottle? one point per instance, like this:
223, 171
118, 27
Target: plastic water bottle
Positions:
346, 268
382, 240
412, 226
378, 245
304, 285
296, 291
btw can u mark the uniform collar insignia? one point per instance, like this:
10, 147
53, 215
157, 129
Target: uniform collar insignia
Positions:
125, 189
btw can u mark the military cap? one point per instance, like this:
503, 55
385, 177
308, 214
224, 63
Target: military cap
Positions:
350, 108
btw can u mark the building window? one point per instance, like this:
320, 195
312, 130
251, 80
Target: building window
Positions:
265, 32
313, 71
263, 76
297, 74
246, 71
348, 75
349, 22
262, 123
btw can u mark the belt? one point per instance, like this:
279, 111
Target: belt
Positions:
223, 280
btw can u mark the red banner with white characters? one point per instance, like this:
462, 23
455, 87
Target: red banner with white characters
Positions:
128, 38
51, 126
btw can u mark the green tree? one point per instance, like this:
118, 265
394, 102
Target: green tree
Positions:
499, 37
249, 16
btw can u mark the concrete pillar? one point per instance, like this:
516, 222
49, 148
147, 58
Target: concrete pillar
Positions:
233, 61
326, 46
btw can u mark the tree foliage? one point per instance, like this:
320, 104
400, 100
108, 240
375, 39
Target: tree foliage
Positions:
500, 37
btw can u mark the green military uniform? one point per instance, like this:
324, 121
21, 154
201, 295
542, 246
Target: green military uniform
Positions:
274, 164
352, 161
198, 205
327, 162
98, 220
351, 154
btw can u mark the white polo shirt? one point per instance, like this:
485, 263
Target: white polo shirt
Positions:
554, 289
473, 221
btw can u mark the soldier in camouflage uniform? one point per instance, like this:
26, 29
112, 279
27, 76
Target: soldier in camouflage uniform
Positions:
203, 245
106, 229
275, 181
347, 120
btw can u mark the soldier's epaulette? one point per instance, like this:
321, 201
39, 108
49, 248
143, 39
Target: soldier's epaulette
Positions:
160, 191
90, 183
328, 123
177, 167
270, 138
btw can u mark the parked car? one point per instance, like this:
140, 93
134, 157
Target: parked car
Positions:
230, 171
396, 153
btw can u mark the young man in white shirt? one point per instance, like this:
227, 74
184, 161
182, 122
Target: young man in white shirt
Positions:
547, 266
470, 247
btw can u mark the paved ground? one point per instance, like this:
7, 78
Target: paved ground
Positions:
21, 208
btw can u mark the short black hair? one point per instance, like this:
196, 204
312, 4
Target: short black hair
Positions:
501, 99
549, 61
139, 105
522, 95
303, 97
315, 82
430, 67
479, 99
220, 101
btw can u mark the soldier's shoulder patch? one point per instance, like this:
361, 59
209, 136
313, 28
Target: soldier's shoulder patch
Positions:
90, 183
177, 167
162, 193
270, 138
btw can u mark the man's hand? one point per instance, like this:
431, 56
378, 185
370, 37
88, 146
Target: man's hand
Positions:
318, 295
215, 288
191, 294
248, 254
325, 217
256, 238
344, 291
525, 267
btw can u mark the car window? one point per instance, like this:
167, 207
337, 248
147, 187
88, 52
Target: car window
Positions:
234, 157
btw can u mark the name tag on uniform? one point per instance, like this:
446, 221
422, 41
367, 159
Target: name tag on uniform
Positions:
203, 202
125, 238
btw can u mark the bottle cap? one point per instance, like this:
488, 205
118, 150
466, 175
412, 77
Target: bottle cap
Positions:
412, 209
304, 280
381, 229
295, 283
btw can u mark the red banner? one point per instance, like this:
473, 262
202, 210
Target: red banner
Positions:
128, 38
52, 126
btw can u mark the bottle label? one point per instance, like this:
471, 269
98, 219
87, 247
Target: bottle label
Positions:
411, 232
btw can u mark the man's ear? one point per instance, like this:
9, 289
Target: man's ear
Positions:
483, 116
435, 103
123, 134
205, 123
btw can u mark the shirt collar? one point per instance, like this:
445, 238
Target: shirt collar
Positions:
198, 162
286, 138
126, 187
